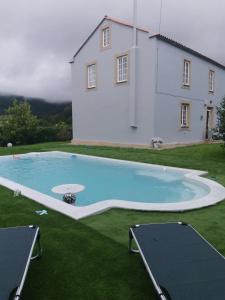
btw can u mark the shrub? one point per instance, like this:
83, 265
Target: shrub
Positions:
64, 131
221, 118
53, 133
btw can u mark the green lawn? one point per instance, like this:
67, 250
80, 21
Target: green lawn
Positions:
88, 259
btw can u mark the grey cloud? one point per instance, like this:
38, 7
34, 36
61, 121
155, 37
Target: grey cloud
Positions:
38, 38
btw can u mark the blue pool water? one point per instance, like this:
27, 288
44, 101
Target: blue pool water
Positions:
103, 179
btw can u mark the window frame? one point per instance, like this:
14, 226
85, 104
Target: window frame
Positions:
101, 37
211, 86
106, 37
186, 73
186, 124
124, 74
91, 84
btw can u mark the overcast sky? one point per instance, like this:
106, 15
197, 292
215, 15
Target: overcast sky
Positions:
39, 37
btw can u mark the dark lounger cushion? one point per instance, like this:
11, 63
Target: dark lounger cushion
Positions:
15, 248
182, 262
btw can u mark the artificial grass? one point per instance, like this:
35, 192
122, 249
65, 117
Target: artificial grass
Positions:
88, 259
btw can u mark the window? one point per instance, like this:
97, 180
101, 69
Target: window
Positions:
211, 81
91, 76
106, 37
187, 73
185, 111
122, 68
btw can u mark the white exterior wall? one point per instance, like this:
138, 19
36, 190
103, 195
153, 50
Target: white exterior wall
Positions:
170, 93
102, 114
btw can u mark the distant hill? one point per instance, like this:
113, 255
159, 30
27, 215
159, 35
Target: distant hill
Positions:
48, 111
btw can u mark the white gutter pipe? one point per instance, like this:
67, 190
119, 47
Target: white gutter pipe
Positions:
133, 72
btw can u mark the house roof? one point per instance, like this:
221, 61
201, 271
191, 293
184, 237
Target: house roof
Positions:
125, 23
158, 36
187, 49
112, 20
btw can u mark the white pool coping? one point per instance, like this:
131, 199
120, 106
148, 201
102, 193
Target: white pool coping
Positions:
216, 192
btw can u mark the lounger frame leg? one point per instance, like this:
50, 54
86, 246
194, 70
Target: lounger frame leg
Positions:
131, 249
39, 248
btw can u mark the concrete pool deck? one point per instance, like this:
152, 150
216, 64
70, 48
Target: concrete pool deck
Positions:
216, 193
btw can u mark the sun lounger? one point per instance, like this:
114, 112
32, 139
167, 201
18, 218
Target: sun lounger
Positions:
16, 248
181, 263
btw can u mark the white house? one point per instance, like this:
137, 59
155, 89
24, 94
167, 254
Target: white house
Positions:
128, 95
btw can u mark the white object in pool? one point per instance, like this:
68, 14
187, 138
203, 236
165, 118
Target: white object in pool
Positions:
68, 188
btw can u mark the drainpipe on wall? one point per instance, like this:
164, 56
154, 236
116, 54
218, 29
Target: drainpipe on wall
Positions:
133, 72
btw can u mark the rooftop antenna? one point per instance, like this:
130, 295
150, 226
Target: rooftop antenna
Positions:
135, 23
160, 16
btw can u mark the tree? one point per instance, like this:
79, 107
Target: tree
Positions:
221, 118
18, 124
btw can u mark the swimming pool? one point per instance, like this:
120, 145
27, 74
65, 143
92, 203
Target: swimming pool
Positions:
105, 180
